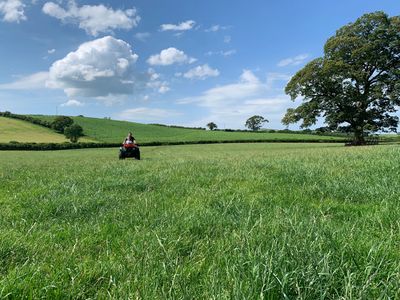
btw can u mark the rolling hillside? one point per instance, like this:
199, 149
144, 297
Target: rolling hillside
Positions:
113, 131
25, 132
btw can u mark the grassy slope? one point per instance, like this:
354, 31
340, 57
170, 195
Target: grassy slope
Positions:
114, 131
25, 132
222, 221
21, 131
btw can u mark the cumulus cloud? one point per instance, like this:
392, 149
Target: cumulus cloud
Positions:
155, 83
201, 72
293, 61
72, 102
94, 19
187, 25
12, 11
170, 56
233, 103
29, 82
98, 68
147, 114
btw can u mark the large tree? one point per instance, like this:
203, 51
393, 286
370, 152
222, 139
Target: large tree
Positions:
73, 132
355, 86
61, 122
212, 126
255, 122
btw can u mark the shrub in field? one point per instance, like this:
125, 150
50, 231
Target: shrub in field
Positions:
73, 132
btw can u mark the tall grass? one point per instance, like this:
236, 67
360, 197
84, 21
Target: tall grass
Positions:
266, 221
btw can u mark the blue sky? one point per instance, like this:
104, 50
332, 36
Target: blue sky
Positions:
166, 61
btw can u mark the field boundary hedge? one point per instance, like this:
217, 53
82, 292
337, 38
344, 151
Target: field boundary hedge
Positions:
66, 146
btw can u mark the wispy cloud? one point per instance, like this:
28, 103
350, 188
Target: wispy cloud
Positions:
147, 114
201, 72
142, 36
232, 104
223, 53
227, 39
72, 102
184, 26
29, 82
293, 61
216, 28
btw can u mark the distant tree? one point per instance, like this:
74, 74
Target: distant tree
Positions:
212, 126
255, 122
61, 122
73, 132
356, 84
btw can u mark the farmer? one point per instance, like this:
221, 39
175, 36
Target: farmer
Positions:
129, 139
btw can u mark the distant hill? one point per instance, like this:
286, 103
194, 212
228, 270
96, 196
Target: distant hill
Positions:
25, 132
112, 131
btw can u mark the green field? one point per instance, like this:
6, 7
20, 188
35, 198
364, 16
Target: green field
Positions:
248, 221
25, 132
21, 131
113, 131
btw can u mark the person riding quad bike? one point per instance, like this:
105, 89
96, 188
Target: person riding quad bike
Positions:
129, 148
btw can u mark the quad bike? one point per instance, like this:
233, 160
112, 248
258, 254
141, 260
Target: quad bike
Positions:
129, 150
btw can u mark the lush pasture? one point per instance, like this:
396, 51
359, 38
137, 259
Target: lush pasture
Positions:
244, 221
25, 132
113, 131
21, 131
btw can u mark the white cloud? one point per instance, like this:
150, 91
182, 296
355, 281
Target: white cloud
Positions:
293, 61
168, 57
216, 28
51, 51
98, 68
29, 82
12, 10
272, 78
155, 83
223, 53
187, 25
227, 39
201, 72
94, 19
160, 86
142, 36
147, 114
72, 102
230, 105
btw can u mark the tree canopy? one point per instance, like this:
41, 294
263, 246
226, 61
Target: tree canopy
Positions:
212, 126
61, 122
73, 132
255, 122
355, 86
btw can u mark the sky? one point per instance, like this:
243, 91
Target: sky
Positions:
164, 61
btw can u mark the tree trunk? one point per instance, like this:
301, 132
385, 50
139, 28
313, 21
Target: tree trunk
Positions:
359, 136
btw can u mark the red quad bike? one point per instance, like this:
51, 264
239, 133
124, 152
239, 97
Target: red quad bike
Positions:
129, 150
